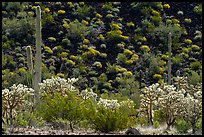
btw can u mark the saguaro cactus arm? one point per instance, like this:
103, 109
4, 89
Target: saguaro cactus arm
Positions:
30, 65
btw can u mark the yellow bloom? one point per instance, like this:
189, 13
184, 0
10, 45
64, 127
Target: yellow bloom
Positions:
157, 76
61, 12
98, 15
85, 22
145, 48
47, 10
128, 52
129, 62
86, 41
166, 6
188, 41
127, 73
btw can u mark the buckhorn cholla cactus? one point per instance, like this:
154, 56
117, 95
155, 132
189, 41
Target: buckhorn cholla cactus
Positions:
38, 57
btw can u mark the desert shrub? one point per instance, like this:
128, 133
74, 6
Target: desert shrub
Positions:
199, 124
77, 30
194, 78
159, 116
56, 106
83, 11
182, 126
109, 115
196, 65
21, 30
198, 9
156, 124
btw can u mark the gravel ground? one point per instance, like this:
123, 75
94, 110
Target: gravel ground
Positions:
50, 131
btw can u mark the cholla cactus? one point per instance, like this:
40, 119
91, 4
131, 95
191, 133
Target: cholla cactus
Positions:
149, 98
109, 104
88, 94
180, 82
14, 99
50, 86
192, 110
171, 102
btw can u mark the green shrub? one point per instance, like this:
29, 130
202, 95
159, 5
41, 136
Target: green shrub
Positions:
199, 124
194, 78
108, 118
182, 126
57, 106
196, 65
156, 124
77, 30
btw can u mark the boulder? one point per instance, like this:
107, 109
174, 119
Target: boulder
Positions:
132, 131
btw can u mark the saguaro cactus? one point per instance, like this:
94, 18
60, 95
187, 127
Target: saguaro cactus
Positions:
38, 57
36, 72
30, 65
169, 61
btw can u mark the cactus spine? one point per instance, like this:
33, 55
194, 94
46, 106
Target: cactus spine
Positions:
169, 61
38, 57
35, 71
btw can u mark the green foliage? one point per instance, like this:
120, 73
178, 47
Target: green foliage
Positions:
196, 65
107, 120
83, 11
199, 124
156, 124
19, 29
182, 126
77, 30
198, 9
57, 106
129, 87
194, 78
159, 116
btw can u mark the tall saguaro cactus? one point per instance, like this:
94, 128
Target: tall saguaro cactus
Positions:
169, 61
38, 56
35, 71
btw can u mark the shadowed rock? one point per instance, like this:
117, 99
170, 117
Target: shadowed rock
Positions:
132, 131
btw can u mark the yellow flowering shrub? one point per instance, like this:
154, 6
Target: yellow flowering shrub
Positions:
188, 41
157, 76
75, 58
63, 54
86, 41
130, 24
135, 57
101, 37
85, 22
70, 62
47, 10
128, 52
195, 47
127, 73
61, 12
166, 6
175, 21
129, 62
145, 48
98, 15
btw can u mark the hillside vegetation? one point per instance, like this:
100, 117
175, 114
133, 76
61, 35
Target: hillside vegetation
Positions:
115, 50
